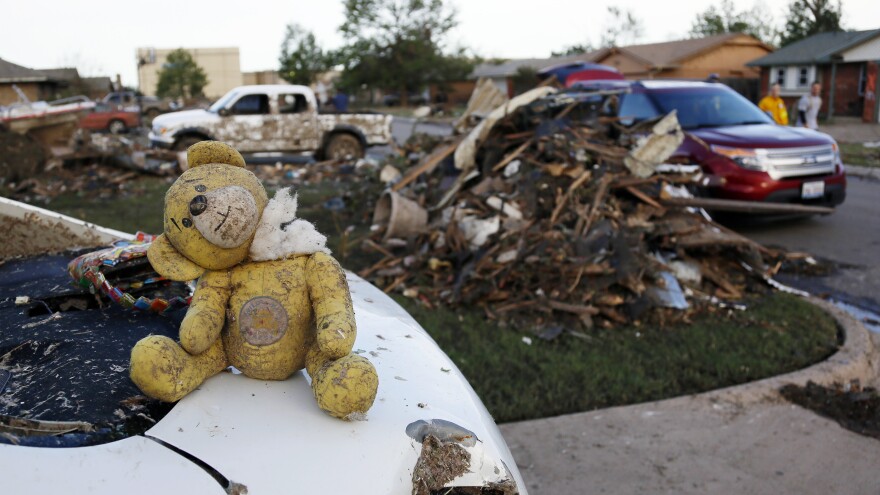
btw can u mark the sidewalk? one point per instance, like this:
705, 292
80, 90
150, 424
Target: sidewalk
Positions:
851, 130
744, 439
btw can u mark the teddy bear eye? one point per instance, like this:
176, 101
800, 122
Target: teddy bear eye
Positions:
198, 205
201, 188
186, 222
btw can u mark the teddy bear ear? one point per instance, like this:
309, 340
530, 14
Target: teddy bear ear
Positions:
205, 152
169, 263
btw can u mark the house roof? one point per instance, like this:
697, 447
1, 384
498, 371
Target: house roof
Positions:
98, 84
510, 67
672, 53
69, 74
666, 54
818, 48
13, 73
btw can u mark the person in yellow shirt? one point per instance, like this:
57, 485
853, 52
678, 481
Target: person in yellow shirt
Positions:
774, 105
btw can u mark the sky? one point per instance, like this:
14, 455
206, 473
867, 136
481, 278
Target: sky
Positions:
100, 37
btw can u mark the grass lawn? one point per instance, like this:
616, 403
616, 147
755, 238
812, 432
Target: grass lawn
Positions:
628, 365
600, 368
856, 154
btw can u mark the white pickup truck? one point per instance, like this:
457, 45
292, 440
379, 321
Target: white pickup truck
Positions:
277, 117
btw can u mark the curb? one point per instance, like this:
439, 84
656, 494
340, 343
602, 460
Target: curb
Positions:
857, 359
863, 172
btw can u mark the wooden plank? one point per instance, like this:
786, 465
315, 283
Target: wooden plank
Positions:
748, 206
428, 165
512, 156
644, 197
573, 308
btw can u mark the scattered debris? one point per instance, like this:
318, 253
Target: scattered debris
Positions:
439, 463
552, 213
855, 408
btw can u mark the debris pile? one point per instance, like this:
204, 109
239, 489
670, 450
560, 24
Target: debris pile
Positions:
100, 164
548, 211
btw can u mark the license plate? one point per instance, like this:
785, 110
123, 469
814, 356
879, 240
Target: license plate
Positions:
812, 190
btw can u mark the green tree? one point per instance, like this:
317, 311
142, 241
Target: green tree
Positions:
302, 59
725, 19
621, 28
399, 45
808, 17
180, 76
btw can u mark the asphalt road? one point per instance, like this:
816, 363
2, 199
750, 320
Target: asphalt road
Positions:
850, 237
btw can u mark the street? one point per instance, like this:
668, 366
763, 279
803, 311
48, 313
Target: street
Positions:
850, 237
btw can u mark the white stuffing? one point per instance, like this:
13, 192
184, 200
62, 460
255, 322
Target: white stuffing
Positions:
298, 236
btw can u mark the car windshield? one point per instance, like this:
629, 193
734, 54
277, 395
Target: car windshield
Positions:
709, 107
223, 102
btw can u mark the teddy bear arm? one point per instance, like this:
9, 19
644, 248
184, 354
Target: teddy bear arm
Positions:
204, 320
331, 302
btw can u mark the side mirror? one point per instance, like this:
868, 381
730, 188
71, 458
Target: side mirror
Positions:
223, 112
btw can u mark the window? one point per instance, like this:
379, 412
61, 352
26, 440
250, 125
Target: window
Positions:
709, 107
803, 77
780, 77
251, 105
292, 103
635, 108
863, 79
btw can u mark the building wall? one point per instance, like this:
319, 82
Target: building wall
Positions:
864, 52
222, 65
452, 93
728, 60
847, 101
262, 77
628, 66
9, 96
870, 112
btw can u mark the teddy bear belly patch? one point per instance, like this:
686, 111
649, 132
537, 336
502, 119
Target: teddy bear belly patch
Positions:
262, 321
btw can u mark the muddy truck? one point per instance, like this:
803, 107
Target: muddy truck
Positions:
273, 118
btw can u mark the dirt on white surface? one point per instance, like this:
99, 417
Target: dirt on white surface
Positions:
694, 445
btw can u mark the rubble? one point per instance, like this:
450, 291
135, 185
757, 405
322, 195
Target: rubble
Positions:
100, 164
547, 211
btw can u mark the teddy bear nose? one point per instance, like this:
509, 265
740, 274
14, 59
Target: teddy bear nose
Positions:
226, 217
198, 205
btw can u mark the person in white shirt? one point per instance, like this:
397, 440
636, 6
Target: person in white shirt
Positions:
808, 107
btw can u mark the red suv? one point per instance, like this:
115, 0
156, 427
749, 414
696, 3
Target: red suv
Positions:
745, 153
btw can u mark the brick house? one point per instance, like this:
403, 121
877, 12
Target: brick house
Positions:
34, 84
845, 62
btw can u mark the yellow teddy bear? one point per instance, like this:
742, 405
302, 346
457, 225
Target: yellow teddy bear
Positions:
269, 299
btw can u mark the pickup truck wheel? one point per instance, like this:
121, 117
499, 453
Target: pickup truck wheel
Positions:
343, 147
116, 127
184, 143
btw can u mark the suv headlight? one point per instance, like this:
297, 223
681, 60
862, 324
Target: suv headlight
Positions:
752, 159
836, 149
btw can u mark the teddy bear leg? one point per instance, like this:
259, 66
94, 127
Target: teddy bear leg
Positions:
163, 370
344, 386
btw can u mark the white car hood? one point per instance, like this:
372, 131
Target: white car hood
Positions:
272, 438
185, 118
